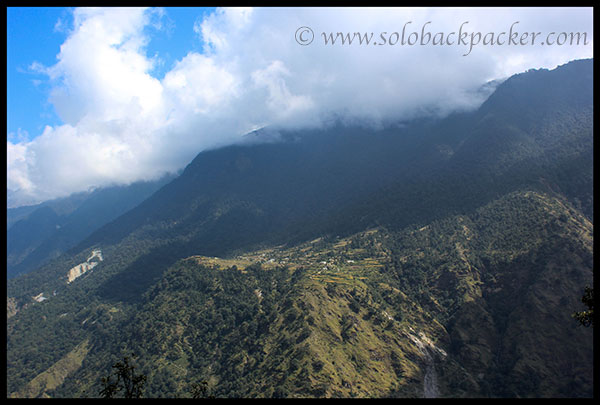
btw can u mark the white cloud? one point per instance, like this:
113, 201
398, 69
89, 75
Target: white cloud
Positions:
279, 100
16, 168
122, 124
197, 85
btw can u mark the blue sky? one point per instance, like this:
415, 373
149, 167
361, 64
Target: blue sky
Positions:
106, 96
35, 34
30, 37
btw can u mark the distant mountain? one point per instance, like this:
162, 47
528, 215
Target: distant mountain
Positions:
37, 234
60, 206
343, 180
438, 257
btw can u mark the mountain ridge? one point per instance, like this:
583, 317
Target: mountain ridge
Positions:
42, 232
470, 236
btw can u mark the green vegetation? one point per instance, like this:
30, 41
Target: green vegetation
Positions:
56, 374
39, 233
127, 382
341, 317
586, 318
345, 262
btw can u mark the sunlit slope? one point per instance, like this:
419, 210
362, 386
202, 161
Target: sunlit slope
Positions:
482, 301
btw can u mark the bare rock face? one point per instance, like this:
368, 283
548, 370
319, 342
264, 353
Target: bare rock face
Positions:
82, 268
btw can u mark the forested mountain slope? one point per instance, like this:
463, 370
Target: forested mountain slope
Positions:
39, 233
439, 257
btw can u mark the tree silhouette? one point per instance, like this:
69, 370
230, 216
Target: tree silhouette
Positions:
586, 318
200, 390
127, 381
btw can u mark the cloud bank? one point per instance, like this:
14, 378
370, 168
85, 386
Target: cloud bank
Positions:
122, 124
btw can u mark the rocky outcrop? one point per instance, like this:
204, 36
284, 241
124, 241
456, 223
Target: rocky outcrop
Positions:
86, 266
